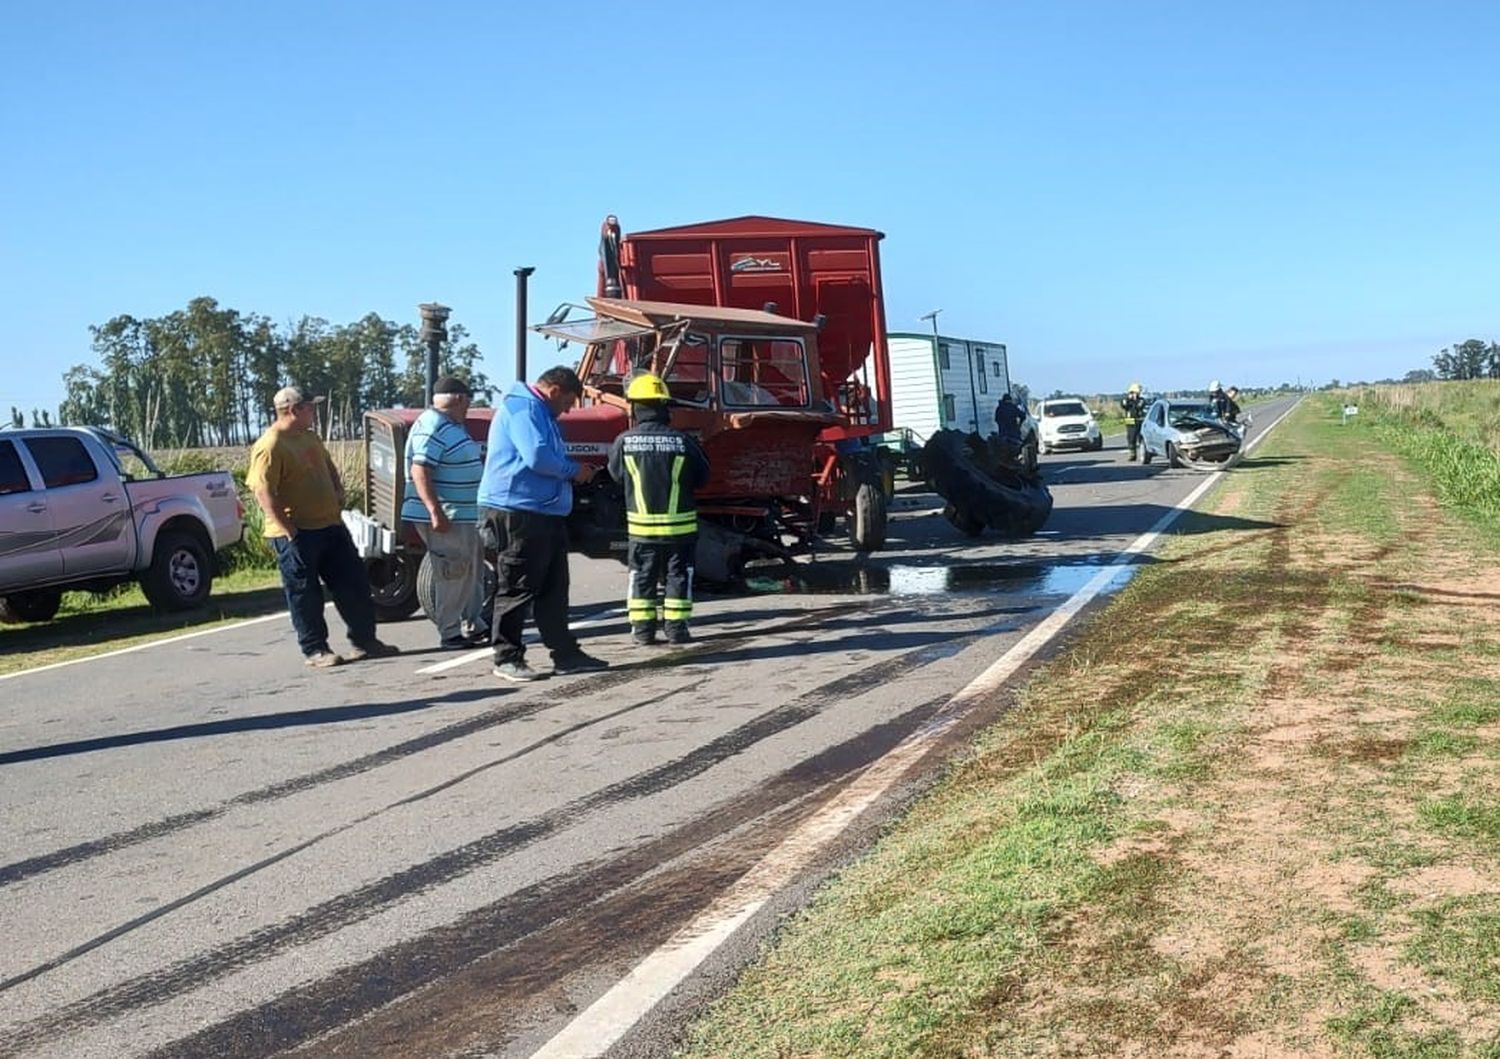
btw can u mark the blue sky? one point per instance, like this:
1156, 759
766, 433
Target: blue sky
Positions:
1159, 191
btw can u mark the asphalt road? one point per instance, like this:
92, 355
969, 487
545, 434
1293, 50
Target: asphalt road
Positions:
207, 849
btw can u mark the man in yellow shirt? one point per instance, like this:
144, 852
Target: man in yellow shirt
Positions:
300, 494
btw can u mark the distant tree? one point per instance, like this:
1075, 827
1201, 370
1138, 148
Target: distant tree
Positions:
1420, 375
1471, 359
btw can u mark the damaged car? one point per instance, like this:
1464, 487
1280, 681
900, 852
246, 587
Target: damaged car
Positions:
1185, 432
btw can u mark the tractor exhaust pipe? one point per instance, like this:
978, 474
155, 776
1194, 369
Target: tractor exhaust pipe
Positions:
609, 258
434, 334
521, 274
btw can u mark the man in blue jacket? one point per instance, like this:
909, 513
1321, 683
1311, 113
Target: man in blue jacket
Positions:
525, 497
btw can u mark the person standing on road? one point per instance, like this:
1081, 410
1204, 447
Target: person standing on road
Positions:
301, 496
525, 497
661, 468
1008, 420
1134, 407
1218, 400
443, 468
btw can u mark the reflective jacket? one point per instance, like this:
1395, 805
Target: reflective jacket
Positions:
660, 468
1135, 407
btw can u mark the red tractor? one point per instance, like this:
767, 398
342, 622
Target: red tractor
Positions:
770, 335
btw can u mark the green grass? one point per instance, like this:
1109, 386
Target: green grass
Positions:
88, 624
1044, 898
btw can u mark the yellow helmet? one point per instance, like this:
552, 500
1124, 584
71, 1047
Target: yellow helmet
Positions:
1135, 387
646, 387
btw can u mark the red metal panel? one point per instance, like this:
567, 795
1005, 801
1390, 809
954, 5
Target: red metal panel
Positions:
805, 267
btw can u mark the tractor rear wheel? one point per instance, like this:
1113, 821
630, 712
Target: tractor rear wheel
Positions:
867, 522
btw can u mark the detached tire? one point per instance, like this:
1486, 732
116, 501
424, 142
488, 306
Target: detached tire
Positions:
867, 522
39, 604
426, 590
1012, 503
181, 574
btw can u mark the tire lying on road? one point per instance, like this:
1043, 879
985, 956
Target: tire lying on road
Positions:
981, 490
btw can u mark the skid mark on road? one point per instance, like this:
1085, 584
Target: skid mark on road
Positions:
367, 900
489, 962
23, 869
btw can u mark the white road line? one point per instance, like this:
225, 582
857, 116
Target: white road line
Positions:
606, 618
592, 1033
144, 646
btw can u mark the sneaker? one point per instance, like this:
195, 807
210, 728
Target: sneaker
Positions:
462, 643
517, 672
324, 659
578, 662
373, 649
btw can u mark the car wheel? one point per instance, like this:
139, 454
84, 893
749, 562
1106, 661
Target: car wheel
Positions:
40, 604
1029, 455
1145, 453
180, 575
1173, 460
1099, 443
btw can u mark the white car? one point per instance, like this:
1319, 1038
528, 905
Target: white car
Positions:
1067, 423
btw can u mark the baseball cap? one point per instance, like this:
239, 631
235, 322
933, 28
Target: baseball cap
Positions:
452, 384
290, 396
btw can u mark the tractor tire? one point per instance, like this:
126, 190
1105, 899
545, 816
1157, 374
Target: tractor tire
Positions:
966, 523
867, 522
181, 573
1002, 498
426, 591
393, 586
40, 604
828, 521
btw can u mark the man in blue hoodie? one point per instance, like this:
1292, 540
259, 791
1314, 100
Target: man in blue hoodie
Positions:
525, 497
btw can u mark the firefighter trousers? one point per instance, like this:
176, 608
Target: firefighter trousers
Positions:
661, 584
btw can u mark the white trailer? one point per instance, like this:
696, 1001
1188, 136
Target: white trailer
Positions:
939, 382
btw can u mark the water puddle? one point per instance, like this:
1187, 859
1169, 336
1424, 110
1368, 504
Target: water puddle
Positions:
904, 579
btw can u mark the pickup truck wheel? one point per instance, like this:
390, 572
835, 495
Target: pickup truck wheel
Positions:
180, 574
393, 587
39, 604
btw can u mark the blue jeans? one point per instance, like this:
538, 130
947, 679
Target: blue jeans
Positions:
326, 556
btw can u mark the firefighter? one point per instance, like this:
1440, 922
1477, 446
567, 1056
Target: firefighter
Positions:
660, 468
1218, 400
1134, 406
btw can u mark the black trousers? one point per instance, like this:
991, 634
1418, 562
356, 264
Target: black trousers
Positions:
532, 571
1132, 435
661, 581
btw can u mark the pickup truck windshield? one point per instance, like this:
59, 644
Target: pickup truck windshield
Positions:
1067, 408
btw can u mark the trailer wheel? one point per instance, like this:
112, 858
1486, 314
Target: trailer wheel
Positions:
180, 576
40, 604
867, 522
393, 586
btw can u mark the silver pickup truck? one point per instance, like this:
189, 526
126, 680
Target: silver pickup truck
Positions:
83, 509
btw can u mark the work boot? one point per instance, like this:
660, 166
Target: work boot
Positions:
1132, 455
677, 633
643, 633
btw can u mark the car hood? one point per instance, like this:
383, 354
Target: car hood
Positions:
1058, 421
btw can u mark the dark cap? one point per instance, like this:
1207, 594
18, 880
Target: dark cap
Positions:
452, 384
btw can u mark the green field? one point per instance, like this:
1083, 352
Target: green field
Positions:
1249, 810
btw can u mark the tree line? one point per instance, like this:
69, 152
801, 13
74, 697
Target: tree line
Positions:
206, 374
1468, 360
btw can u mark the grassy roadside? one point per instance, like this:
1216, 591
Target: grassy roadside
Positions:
89, 624
1251, 811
